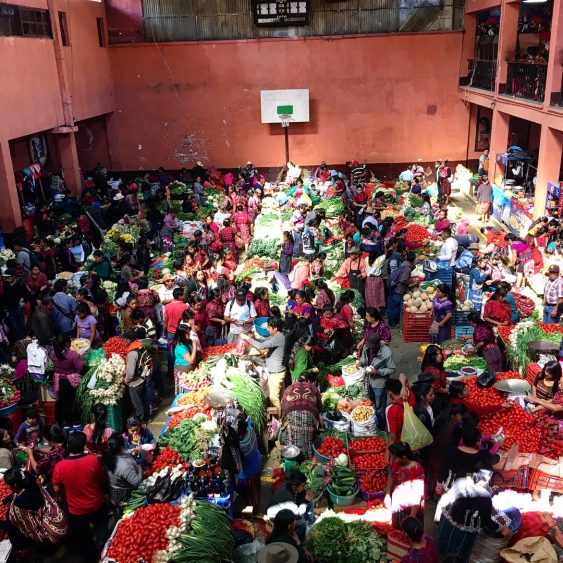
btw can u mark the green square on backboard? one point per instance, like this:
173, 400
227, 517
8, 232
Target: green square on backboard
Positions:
284, 110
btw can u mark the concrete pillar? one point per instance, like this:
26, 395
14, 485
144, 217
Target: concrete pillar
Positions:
507, 39
10, 212
549, 165
499, 141
69, 162
554, 68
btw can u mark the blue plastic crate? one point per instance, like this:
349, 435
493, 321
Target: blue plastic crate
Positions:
461, 317
443, 276
463, 330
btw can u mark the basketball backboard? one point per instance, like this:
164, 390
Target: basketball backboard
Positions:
276, 103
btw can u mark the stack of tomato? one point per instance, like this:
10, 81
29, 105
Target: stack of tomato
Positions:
505, 331
519, 427
369, 461
188, 414
332, 447
484, 401
217, 351
138, 538
417, 234
167, 457
115, 345
551, 328
364, 445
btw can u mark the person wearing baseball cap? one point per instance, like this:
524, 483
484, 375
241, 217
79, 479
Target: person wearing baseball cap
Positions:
553, 296
240, 313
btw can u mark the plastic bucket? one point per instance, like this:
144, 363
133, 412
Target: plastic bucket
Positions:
343, 500
260, 326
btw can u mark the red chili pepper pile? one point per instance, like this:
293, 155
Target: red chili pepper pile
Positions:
115, 345
218, 350
484, 401
141, 536
369, 461
399, 222
373, 444
332, 447
373, 481
417, 233
166, 458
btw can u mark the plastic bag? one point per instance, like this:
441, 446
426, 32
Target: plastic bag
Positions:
534, 550
240, 347
340, 425
248, 552
414, 433
367, 428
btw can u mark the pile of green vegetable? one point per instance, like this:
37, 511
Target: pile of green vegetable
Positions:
247, 273
249, 396
458, 361
334, 206
267, 248
208, 537
188, 438
333, 539
315, 474
519, 354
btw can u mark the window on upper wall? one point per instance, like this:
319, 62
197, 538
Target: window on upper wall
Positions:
101, 32
63, 25
24, 22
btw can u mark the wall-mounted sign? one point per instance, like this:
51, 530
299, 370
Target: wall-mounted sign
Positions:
281, 12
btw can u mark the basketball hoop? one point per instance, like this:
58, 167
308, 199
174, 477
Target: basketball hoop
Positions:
285, 118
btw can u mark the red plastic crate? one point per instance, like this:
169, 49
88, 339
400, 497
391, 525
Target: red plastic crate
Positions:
541, 480
416, 335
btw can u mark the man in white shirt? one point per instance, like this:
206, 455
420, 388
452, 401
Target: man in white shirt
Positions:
240, 313
166, 291
448, 250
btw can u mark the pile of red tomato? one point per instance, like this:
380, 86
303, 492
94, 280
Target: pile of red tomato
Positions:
417, 234
166, 458
373, 481
138, 538
505, 331
373, 444
484, 401
551, 328
369, 461
519, 427
115, 345
217, 351
332, 447
188, 414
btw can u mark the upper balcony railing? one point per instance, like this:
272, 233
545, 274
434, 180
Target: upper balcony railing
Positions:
481, 74
526, 80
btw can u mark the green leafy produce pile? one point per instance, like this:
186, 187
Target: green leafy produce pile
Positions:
520, 355
315, 474
332, 539
458, 361
247, 273
277, 300
264, 248
334, 206
186, 438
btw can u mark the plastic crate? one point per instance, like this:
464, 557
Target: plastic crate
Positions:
461, 317
463, 330
514, 479
418, 335
416, 319
443, 276
540, 480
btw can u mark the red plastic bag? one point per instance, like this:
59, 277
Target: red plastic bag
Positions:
335, 380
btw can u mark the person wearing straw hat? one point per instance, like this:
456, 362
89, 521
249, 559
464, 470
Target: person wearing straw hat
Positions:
284, 540
279, 552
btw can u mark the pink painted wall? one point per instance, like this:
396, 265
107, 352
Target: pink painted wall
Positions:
379, 98
29, 91
87, 64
